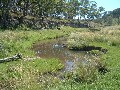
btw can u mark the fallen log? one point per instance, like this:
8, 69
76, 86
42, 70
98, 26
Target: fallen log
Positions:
13, 58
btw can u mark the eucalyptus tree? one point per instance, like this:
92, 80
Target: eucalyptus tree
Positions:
11, 8
89, 11
116, 14
5, 8
46, 8
111, 17
71, 8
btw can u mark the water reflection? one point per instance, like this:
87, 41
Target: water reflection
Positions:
56, 49
69, 65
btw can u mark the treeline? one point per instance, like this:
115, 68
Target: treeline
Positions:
40, 13
111, 18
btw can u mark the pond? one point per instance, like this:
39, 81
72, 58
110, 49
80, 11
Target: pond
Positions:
56, 49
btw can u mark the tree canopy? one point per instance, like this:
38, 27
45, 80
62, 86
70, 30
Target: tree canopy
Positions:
111, 17
18, 9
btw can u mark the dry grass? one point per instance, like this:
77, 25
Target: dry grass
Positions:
110, 35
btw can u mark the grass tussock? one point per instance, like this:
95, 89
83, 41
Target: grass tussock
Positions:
25, 74
82, 39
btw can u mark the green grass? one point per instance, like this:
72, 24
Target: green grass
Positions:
108, 39
28, 74
109, 81
15, 74
21, 41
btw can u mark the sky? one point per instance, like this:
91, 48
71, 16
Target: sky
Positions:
109, 5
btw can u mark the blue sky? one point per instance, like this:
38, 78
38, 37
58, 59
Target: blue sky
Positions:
109, 5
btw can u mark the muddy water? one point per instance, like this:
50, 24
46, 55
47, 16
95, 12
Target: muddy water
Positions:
56, 49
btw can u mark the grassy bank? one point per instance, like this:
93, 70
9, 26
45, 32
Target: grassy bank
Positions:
108, 39
12, 42
108, 81
29, 69
29, 72
111, 37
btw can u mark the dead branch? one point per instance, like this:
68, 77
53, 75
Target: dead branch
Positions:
13, 58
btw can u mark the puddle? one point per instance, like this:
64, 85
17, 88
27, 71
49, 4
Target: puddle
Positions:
56, 49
